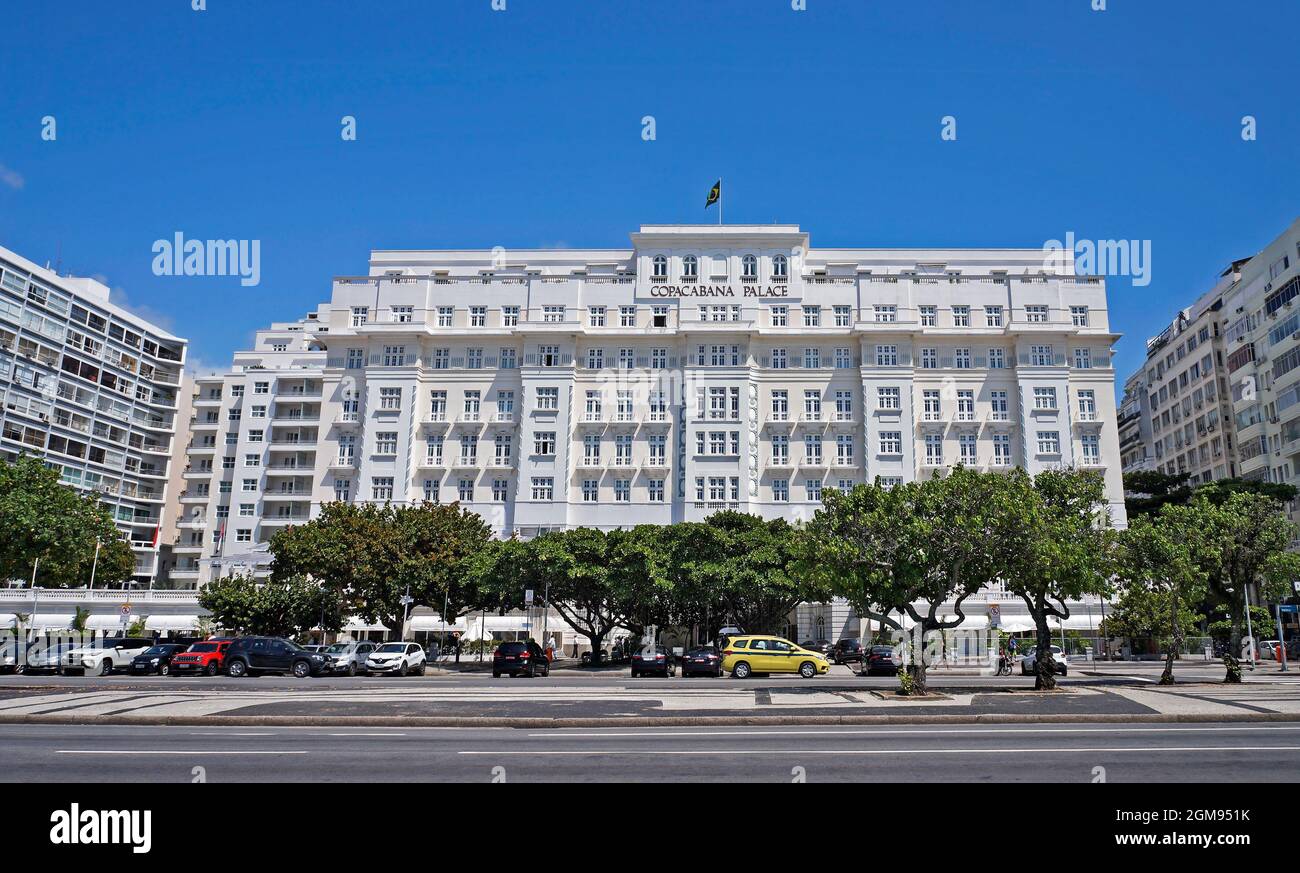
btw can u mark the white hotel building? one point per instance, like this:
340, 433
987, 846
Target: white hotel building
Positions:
705, 367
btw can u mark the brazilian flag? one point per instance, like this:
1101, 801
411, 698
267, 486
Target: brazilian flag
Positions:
715, 194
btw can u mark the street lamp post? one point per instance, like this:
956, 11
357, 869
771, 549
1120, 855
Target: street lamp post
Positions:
406, 602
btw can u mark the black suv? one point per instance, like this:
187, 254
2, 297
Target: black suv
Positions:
515, 658
847, 651
249, 656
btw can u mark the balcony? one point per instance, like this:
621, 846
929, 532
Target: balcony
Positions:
589, 462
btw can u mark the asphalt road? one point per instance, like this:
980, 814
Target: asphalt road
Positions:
992, 753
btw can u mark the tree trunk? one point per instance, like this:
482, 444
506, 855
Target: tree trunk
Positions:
918, 677
1230, 662
597, 646
1167, 677
1044, 664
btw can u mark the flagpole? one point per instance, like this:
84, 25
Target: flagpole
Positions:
719, 201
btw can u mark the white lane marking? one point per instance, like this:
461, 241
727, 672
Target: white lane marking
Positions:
814, 731
179, 752
1098, 750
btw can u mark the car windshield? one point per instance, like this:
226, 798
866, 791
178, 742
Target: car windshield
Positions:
203, 647
338, 648
155, 650
392, 647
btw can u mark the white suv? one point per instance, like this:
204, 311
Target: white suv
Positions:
103, 656
399, 658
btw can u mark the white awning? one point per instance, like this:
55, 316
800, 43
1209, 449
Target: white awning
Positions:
357, 623
1075, 622
434, 624
108, 622
52, 621
171, 622
1015, 625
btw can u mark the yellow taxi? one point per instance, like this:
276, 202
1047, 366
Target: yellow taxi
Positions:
756, 653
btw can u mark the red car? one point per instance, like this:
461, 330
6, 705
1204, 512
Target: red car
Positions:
207, 657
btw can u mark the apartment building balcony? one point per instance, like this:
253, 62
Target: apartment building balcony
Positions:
778, 421
201, 450
436, 421
655, 463
281, 520
295, 494
343, 464
497, 463
188, 574
197, 473
839, 463
814, 463
589, 462
1092, 463
191, 524
504, 418
621, 462
283, 419
591, 420
469, 420
206, 402
281, 469
431, 463
205, 424
194, 498
782, 463
187, 548
464, 462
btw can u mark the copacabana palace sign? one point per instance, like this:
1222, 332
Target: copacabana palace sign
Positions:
719, 291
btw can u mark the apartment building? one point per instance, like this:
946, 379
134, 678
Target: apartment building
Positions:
92, 389
705, 367
1136, 447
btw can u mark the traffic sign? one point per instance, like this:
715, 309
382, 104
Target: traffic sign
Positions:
124, 609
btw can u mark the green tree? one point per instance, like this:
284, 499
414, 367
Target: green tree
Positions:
1162, 581
583, 587
278, 607
42, 519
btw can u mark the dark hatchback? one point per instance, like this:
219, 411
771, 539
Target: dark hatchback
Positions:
850, 651
880, 662
702, 661
155, 659
652, 661
822, 647
520, 658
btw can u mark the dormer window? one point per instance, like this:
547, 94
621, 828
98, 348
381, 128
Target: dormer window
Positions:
780, 267
690, 268
659, 271
749, 268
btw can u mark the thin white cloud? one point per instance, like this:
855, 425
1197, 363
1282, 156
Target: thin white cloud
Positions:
11, 178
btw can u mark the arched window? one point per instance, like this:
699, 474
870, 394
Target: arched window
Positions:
690, 267
780, 267
749, 267
660, 267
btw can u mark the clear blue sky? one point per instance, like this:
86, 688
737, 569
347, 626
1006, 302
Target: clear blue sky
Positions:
522, 128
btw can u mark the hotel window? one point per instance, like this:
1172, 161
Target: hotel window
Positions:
394, 356
1036, 314
509, 316
658, 449
780, 316
886, 356
433, 450
233, 414
381, 488
249, 485
544, 443
1049, 442
508, 359
500, 490
595, 316
622, 490
843, 360
891, 442
1044, 398
505, 405
478, 316
1001, 450
933, 449
347, 449
623, 408
441, 359
929, 359
469, 449
386, 442
342, 489
261, 387
445, 316
844, 314
255, 436
965, 405
812, 405
543, 487
627, 316
659, 268
548, 356
780, 405
780, 450
929, 315
390, 398
992, 316
998, 400
781, 490
502, 444
591, 449
1083, 359
590, 490
658, 359
844, 449
592, 410
351, 410
359, 315
966, 449
356, 359
471, 407
595, 359
658, 407
1087, 406
260, 412
432, 490
402, 314
437, 405
659, 316
812, 358
997, 359
889, 398
1091, 443
843, 405
1079, 316
780, 267
244, 535
626, 359
553, 314
779, 360
961, 316
466, 490
812, 449
1041, 356
813, 490
961, 359
749, 269
690, 268
930, 406
655, 490
812, 316
252, 460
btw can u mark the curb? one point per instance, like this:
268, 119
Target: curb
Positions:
635, 721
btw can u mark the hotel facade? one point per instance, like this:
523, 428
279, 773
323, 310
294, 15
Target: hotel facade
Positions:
703, 368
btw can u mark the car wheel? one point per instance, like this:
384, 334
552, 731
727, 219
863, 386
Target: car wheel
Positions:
808, 669
106, 668
237, 669
164, 669
211, 669
740, 671
301, 669
1064, 671
419, 670
352, 668
635, 674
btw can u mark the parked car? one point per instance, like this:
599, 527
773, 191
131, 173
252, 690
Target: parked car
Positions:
702, 660
350, 657
751, 654
206, 657
316, 648
589, 659
825, 647
252, 656
103, 656
653, 660
399, 658
13, 655
1028, 664
156, 659
520, 657
880, 661
848, 651
44, 656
